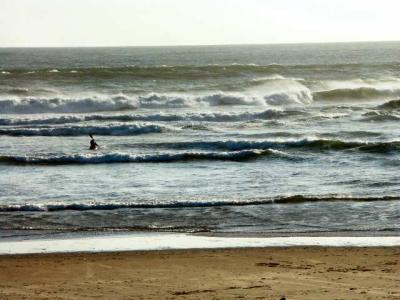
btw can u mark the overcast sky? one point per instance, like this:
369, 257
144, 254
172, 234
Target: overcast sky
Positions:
195, 22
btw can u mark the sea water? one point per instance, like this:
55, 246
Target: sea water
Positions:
272, 139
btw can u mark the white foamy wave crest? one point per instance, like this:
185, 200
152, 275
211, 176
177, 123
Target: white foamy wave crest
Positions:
222, 99
150, 101
271, 77
113, 129
155, 100
41, 121
299, 97
58, 105
279, 90
269, 114
145, 158
109, 205
276, 77
289, 91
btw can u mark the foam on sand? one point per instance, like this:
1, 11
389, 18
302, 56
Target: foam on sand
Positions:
164, 241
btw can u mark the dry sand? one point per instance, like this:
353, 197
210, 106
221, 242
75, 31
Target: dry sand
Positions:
268, 273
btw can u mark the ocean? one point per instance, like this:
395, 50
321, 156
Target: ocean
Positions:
244, 140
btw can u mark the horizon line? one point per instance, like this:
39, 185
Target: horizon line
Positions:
210, 45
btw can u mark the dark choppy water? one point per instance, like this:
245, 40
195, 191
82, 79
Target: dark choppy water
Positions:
294, 138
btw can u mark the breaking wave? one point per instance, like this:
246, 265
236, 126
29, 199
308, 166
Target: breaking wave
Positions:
157, 117
243, 155
287, 95
116, 130
150, 101
189, 204
58, 105
155, 100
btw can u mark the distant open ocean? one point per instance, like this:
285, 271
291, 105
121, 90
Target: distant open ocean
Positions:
247, 140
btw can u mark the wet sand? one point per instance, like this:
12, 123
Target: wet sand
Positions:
267, 273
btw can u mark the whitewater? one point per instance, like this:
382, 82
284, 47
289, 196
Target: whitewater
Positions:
279, 140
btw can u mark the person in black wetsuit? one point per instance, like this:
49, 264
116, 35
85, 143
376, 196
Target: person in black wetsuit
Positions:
93, 144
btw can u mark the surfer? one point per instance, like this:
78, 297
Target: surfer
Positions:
93, 144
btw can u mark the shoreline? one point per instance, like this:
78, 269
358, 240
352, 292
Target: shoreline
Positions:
158, 241
258, 273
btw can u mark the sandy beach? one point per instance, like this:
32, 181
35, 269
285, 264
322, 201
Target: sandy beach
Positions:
264, 273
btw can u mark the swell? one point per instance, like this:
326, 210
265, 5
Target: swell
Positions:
361, 93
182, 71
390, 105
380, 116
152, 72
297, 199
302, 144
387, 111
238, 156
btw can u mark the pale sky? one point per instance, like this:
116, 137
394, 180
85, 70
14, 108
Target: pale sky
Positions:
30, 23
